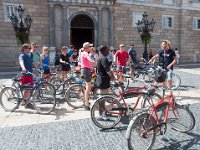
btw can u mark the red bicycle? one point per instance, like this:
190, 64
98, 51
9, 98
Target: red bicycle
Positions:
107, 111
146, 125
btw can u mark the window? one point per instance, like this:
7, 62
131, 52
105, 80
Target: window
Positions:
168, 2
167, 22
136, 17
9, 8
196, 23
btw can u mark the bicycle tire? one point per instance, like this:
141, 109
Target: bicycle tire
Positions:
48, 86
176, 81
44, 101
113, 116
9, 99
136, 136
74, 96
181, 119
58, 83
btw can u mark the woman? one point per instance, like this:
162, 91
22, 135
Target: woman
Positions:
44, 60
65, 62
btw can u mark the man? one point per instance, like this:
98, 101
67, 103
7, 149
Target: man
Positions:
167, 58
133, 55
121, 57
35, 56
26, 64
104, 75
86, 66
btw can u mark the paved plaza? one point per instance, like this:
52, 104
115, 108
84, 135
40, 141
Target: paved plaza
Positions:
72, 129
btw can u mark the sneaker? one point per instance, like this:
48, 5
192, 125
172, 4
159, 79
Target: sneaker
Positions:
103, 117
87, 107
29, 106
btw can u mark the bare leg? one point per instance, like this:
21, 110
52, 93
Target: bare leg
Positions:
87, 93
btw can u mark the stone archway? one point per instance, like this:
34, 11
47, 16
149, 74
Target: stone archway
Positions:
82, 30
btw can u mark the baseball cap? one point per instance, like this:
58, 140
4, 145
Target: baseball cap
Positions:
87, 44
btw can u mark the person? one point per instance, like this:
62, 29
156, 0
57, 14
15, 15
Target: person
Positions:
44, 61
177, 55
65, 62
34, 54
70, 51
167, 59
75, 57
150, 54
56, 58
93, 56
26, 64
104, 75
86, 66
133, 55
121, 58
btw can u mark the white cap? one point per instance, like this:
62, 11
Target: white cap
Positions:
87, 44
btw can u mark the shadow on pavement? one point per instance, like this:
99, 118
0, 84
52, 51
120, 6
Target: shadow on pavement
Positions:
174, 144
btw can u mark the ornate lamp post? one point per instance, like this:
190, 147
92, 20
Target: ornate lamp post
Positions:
144, 27
21, 25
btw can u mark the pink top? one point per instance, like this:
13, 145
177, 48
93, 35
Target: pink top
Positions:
85, 62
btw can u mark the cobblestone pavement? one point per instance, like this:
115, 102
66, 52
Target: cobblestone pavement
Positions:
84, 135
73, 129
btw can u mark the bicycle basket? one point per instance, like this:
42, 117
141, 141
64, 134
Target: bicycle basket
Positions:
160, 75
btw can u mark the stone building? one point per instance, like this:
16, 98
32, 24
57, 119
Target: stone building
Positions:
103, 22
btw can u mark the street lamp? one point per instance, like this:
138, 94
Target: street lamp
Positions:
21, 25
144, 27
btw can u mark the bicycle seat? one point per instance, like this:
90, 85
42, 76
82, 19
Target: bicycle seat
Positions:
16, 79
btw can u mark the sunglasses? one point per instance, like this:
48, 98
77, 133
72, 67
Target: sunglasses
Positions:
122, 46
35, 46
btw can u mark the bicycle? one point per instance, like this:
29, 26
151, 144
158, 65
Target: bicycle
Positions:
147, 124
107, 111
43, 99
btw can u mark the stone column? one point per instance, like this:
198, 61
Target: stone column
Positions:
52, 26
99, 32
110, 26
64, 26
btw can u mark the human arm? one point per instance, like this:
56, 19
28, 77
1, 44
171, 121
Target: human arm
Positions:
153, 59
21, 62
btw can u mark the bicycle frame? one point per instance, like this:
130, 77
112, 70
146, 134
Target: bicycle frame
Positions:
126, 108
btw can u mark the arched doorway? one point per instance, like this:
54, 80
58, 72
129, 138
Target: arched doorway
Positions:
82, 30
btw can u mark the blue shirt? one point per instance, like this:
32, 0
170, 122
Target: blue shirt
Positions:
28, 63
70, 52
45, 63
133, 55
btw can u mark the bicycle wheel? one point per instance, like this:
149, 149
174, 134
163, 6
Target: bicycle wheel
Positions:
181, 118
9, 98
44, 101
106, 112
138, 135
58, 82
48, 86
176, 81
75, 95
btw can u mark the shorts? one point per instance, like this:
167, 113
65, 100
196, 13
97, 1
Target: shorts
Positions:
85, 74
46, 72
66, 67
27, 80
169, 75
121, 68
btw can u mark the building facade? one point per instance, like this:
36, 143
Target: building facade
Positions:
103, 22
